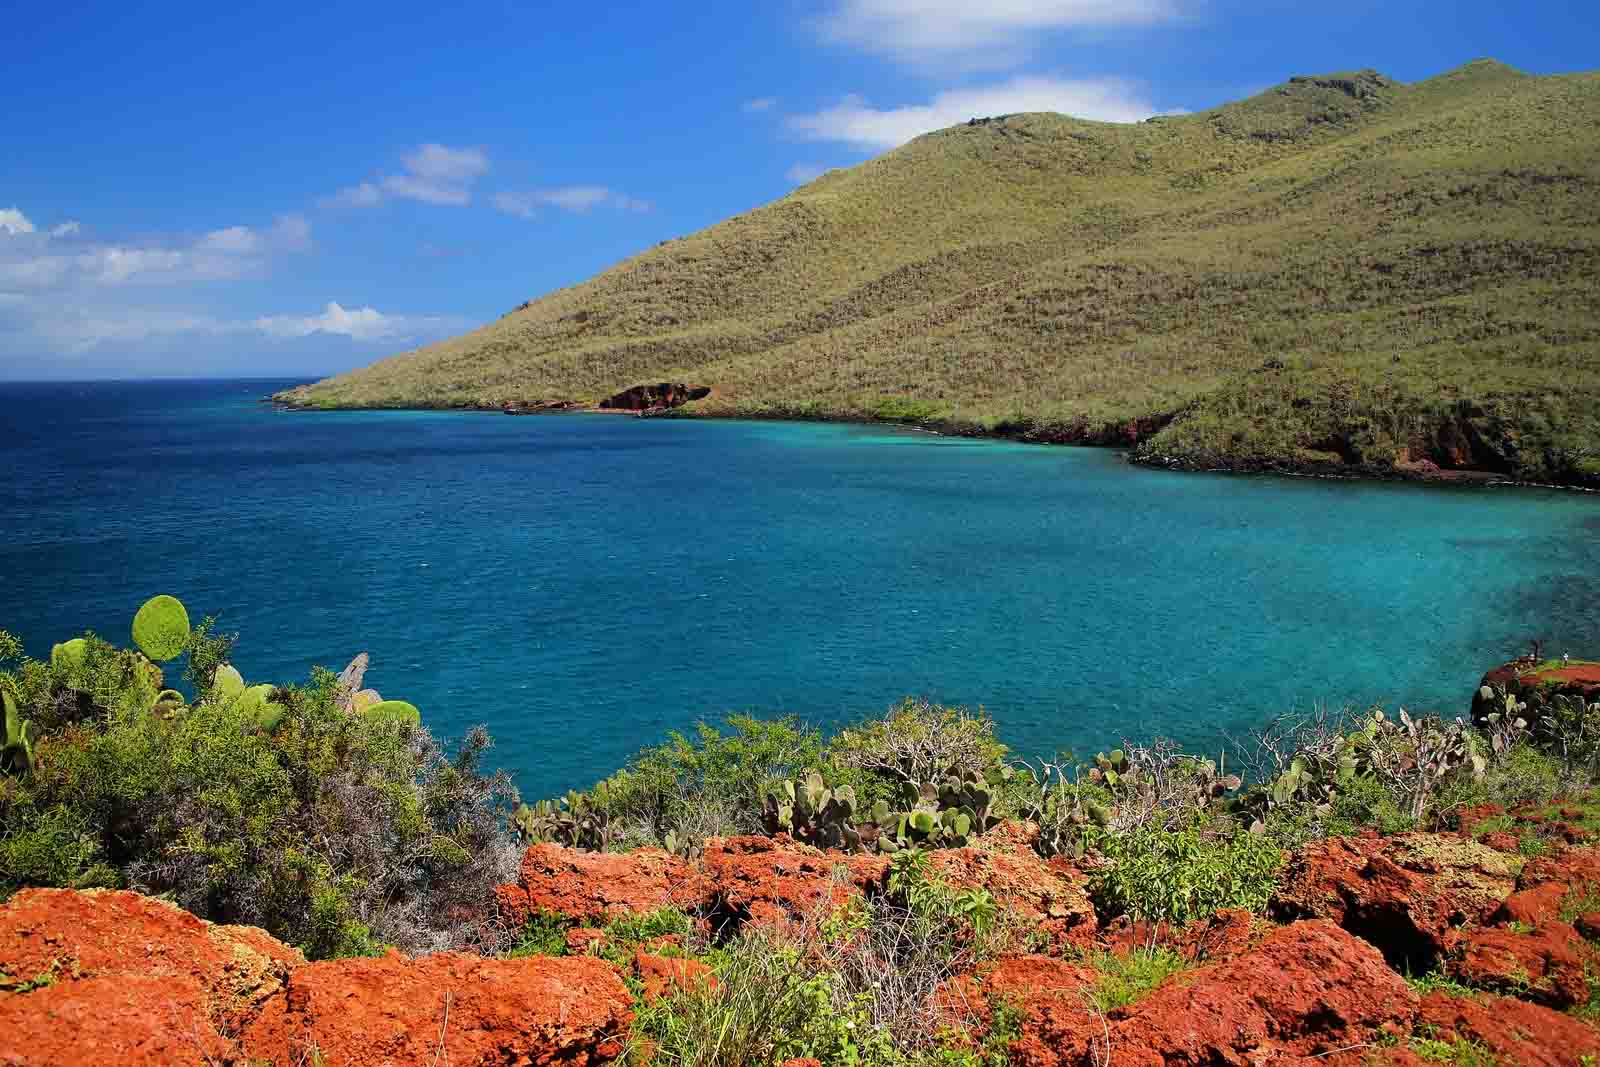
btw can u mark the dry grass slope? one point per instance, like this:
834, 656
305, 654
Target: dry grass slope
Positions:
1344, 270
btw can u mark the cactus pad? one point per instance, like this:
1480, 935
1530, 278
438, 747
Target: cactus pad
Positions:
161, 628
398, 710
227, 684
69, 655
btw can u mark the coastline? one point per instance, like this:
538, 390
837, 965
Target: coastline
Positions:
1112, 437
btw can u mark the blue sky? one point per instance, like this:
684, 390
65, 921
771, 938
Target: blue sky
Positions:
196, 191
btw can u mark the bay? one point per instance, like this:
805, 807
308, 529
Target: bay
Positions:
582, 584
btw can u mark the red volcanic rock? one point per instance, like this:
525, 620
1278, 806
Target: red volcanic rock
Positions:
448, 1008
659, 975
122, 1021
1573, 867
1550, 884
1536, 688
1467, 819
1540, 904
1049, 895
1546, 965
581, 939
115, 934
1051, 995
1516, 1031
598, 886
1405, 894
1228, 934
774, 880
1225, 935
1306, 990
1501, 841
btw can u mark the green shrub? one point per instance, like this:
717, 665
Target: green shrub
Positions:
1182, 875
1127, 978
764, 1008
208, 650
1456, 1052
543, 935
913, 885
919, 742
334, 832
1364, 803
712, 783
54, 848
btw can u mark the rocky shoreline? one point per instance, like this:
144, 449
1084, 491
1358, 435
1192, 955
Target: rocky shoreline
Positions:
1321, 978
1123, 436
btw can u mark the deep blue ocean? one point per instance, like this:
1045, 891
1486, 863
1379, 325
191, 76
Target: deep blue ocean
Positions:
582, 584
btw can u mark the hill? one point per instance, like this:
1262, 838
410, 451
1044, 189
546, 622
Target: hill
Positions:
1343, 272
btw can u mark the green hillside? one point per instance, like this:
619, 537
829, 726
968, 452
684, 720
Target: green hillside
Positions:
1343, 271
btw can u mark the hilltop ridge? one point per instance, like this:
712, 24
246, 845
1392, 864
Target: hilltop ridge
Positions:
1344, 272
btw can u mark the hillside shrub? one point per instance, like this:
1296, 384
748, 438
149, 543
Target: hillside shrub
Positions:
867, 982
1128, 977
707, 784
339, 833
1178, 876
919, 742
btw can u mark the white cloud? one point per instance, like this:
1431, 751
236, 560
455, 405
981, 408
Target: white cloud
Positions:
578, 199
433, 174
854, 122
14, 221
760, 104
990, 34
72, 326
449, 166
290, 233
804, 173
239, 239
75, 329
358, 324
113, 265
364, 195
62, 259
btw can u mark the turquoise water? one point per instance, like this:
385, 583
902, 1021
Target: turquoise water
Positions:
584, 583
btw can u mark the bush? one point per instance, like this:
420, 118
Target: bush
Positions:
713, 783
1128, 978
1178, 876
919, 742
1523, 775
1364, 802
866, 983
764, 1008
332, 831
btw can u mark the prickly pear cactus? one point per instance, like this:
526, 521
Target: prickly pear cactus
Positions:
17, 756
68, 657
256, 702
809, 811
227, 684
161, 628
394, 710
